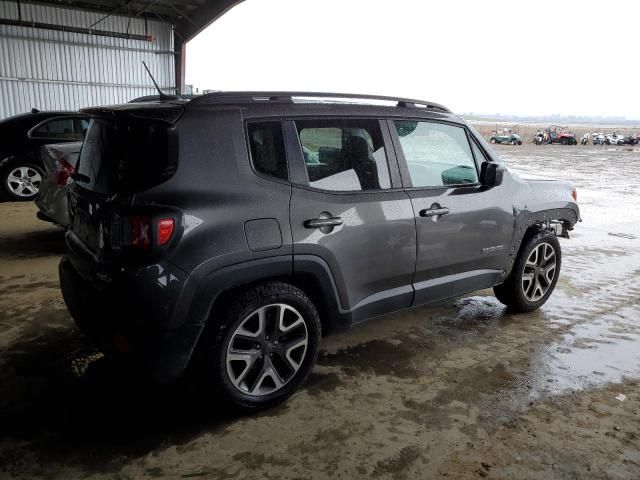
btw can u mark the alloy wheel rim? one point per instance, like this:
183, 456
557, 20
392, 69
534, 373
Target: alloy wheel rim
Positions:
539, 272
267, 349
24, 181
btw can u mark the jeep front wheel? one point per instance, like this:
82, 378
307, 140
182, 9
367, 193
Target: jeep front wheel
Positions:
266, 346
534, 275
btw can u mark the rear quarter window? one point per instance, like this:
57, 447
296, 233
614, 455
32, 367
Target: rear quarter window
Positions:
268, 155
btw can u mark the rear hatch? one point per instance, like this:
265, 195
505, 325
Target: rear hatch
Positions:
126, 150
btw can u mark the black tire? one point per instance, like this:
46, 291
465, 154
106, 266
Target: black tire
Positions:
493, 140
10, 187
519, 142
217, 377
511, 292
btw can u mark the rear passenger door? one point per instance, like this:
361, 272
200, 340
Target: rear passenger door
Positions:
463, 228
349, 212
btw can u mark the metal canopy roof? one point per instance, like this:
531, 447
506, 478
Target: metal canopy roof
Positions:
188, 16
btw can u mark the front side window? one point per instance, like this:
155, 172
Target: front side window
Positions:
344, 155
68, 128
437, 154
267, 149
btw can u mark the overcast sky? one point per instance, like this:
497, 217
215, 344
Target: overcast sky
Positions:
510, 57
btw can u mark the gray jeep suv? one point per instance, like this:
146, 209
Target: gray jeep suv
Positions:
231, 232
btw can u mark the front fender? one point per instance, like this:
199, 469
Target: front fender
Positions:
540, 202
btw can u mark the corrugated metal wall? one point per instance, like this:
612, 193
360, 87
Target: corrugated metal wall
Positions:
52, 70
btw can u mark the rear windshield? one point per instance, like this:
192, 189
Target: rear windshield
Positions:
128, 155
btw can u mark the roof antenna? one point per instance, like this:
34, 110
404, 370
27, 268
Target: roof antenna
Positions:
162, 95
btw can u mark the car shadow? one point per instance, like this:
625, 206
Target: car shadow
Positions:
39, 243
73, 406
69, 403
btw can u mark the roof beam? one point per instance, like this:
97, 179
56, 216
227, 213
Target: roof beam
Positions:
195, 21
109, 7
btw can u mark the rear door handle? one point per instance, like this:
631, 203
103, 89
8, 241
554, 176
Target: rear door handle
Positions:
323, 222
434, 212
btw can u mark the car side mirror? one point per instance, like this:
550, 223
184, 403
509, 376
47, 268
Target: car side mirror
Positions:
491, 174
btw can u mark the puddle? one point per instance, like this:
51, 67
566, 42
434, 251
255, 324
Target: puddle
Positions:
588, 350
377, 357
592, 354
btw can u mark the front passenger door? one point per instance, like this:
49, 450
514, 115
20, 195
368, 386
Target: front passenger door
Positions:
463, 228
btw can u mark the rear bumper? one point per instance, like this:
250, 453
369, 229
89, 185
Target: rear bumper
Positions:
127, 314
52, 203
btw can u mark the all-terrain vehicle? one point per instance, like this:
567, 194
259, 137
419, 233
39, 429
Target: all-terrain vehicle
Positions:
230, 233
614, 139
561, 135
598, 138
510, 138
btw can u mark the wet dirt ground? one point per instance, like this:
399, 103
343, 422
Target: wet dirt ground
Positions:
462, 389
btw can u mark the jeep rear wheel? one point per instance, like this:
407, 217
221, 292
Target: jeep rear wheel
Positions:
534, 275
266, 346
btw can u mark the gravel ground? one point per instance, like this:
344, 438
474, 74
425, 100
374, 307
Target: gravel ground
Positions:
461, 389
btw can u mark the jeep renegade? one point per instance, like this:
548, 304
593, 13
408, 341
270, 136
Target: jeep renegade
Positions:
233, 230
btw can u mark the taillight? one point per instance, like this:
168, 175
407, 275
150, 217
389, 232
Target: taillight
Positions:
574, 194
165, 230
140, 232
64, 170
147, 232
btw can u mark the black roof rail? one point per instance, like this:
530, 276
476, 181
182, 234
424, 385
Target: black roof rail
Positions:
228, 98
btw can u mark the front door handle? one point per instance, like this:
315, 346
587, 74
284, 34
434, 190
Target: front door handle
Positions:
434, 211
323, 222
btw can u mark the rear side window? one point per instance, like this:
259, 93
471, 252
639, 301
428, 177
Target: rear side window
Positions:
344, 155
267, 149
437, 154
66, 128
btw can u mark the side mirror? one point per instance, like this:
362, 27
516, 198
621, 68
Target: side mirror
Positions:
491, 174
